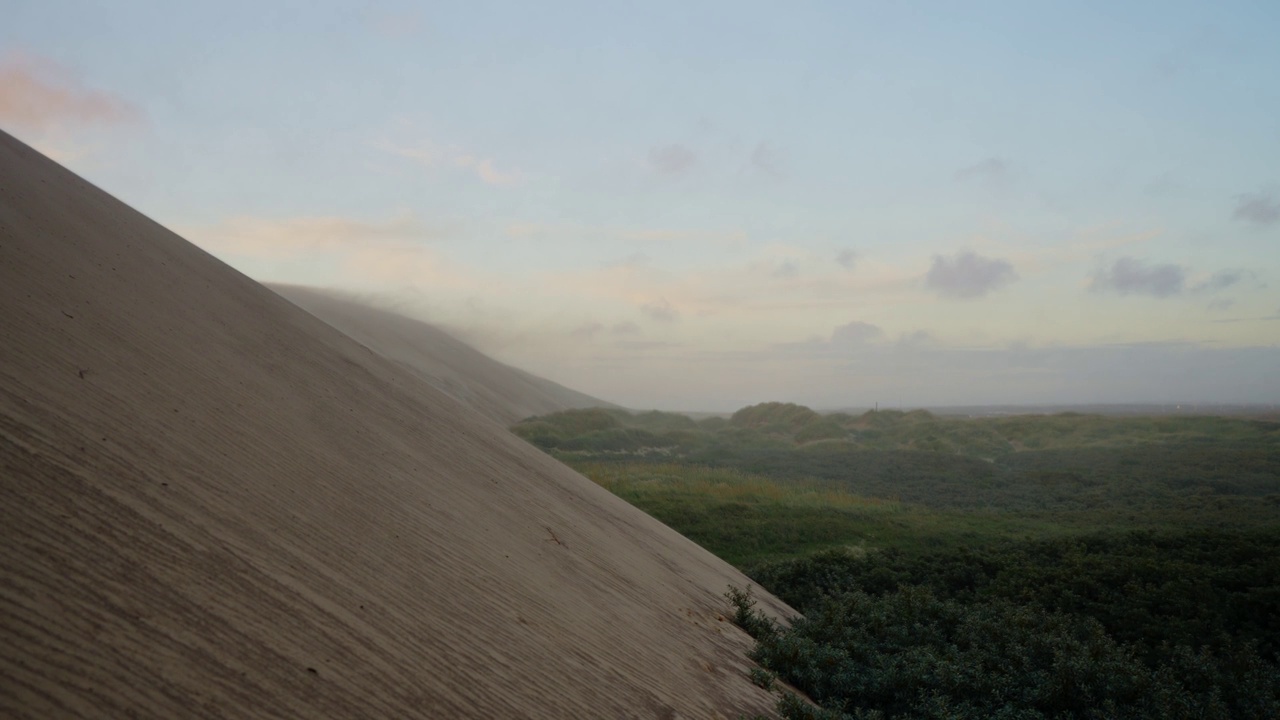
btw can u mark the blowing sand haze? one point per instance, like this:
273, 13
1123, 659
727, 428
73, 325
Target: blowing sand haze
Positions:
215, 505
499, 391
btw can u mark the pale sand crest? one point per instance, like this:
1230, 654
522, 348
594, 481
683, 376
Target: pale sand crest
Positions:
212, 504
503, 393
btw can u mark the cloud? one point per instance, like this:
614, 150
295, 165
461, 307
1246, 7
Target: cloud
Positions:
1221, 281
765, 159
40, 95
1130, 276
849, 336
395, 26
578, 231
634, 261
847, 258
992, 169
855, 334
1165, 184
719, 237
917, 339
671, 159
282, 238
787, 269
1188, 52
660, 310
1258, 209
589, 331
423, 153
485, 170
429, 155
968, 275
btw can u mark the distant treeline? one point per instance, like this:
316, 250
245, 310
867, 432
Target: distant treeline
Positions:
1044, 463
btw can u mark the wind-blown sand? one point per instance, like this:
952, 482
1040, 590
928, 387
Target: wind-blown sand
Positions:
212, 504
499, 391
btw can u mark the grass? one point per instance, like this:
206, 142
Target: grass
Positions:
748, 519
756, 488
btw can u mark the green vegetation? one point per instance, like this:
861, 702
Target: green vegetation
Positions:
1066, 566
747, 518
759, 486
1139, 625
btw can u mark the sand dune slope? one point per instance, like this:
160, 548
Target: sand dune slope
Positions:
212, 504
499, 391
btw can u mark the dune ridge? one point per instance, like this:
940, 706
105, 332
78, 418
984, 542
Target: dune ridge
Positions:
213, 504
499, 391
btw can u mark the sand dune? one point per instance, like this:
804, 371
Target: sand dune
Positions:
499, 391
212, 504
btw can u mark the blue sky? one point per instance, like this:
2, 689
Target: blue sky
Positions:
700, 205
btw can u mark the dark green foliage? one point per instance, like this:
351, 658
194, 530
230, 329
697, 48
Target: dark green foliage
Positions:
762, 678
550, 431
746, 616
614, 440
1146, 589
775, 417
713, 424
791, 707
661, 422
744, 530
821, 429
1140, 625
910, 654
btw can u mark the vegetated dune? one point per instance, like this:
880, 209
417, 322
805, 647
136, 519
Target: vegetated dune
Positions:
499, 391
212, 504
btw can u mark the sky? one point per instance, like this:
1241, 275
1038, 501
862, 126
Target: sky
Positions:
702, 205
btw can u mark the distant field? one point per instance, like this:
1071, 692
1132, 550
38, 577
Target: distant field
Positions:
779, 480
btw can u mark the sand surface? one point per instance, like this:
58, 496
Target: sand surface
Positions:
497, 390
212, 504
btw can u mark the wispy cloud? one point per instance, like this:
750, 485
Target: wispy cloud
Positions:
660, 310
991, 169
422, 153
485, 170
856, 337
671, 159
55, 112
1261, 209
274, 238
785, 269
566, 231
1220, 280
847, 258
395, 26
429, 155
39, 94
1130, 276
968, 275
590, 330
855, 334
766, 159
682, 236
1264, 318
